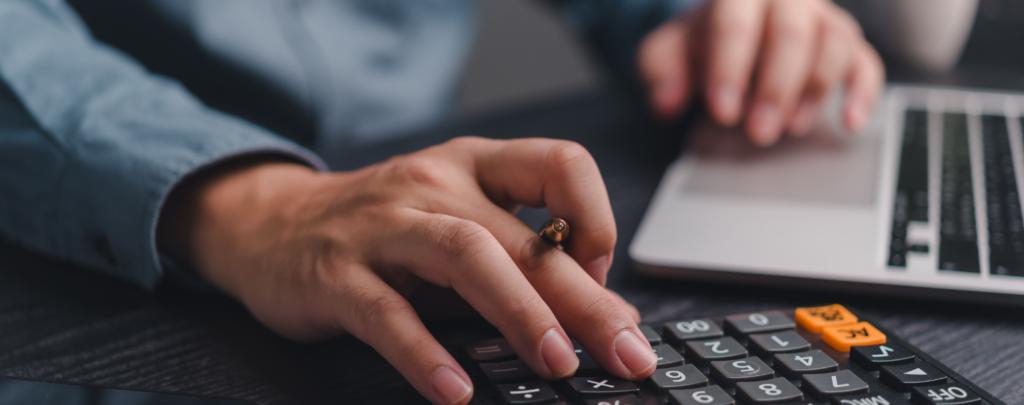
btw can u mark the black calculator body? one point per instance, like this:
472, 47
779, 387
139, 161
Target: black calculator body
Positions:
824, 355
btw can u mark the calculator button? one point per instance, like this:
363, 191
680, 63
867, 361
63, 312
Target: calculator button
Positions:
831, 384
713, 395
742, 325
872, 357
729, 372
679, 331
600, 386
667, 356
652, 337
679, 377
946, 394
769, 391
620, 400
704, 351
530, 392
769, 344
815, 318
858, 334
490, 350
903, 376
793, 365
587, 364
509, 371
865, 399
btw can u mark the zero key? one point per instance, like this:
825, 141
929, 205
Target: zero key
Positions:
743, 325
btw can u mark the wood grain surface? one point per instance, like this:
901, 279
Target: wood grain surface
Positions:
63, 323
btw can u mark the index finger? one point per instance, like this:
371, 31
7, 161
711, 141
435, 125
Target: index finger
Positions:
734, 30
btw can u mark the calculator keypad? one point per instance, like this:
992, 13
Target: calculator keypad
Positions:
745, 359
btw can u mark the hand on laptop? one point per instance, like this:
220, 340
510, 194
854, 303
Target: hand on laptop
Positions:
767, 63
316, 255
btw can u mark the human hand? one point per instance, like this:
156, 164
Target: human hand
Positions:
316, 255
769, 63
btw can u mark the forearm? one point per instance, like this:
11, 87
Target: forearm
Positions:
93, 144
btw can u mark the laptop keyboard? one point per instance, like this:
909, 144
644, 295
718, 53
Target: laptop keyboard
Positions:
808, 356
958, 234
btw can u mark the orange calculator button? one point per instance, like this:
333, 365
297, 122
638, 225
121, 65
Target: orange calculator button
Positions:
816, 318
858, 334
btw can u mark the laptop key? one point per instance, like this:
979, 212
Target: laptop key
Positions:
843, 382
679, 377
1005, 233
600, 386
730, 372
703, 352
490, 350
946, 394
958, 235
904, 376
769, 344
769, 391
667, 356
794, 365
713, 395
678, 332
652, 337
742, 325
873, 357
529, 392
507, 372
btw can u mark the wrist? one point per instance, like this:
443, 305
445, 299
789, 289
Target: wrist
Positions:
215, 214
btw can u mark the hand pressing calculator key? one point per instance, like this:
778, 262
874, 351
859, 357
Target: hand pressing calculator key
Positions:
808, 356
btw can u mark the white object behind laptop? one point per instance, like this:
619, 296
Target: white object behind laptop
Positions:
818, 209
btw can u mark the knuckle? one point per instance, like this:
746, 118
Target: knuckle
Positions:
567, 154
461, 238
788, 31
375, 309
419, 170
471, 142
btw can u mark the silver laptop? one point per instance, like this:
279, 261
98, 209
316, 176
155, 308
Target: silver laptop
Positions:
926, 200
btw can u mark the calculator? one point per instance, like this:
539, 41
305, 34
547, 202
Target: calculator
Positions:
824, 355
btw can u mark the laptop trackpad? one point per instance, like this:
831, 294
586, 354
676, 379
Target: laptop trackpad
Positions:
824, 167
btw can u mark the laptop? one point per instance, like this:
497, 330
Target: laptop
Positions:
926, 201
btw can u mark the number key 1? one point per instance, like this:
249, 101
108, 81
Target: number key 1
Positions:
713, 395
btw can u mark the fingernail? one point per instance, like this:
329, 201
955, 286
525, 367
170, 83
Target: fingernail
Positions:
598, 266
634, 353
805, 118
765, 123
449, 385
727, 102
558, 354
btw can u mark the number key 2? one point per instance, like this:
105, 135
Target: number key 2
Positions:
713, 395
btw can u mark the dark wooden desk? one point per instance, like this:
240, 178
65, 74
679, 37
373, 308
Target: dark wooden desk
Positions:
61, 323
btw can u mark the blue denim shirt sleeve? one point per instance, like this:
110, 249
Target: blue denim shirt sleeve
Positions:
91, 144
615, 28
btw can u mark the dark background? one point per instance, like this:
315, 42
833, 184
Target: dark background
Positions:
62, 323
